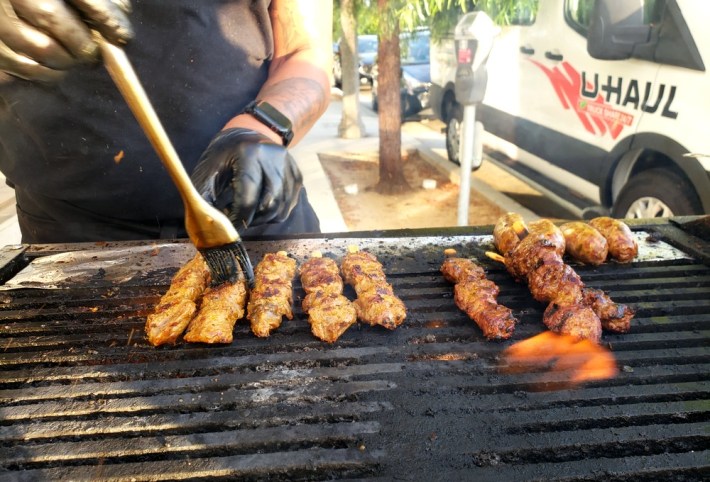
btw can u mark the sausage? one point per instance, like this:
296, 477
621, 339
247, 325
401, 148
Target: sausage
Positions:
505, 237
584, 243
620, 239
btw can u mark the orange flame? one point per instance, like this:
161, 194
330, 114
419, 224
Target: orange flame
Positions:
574, 361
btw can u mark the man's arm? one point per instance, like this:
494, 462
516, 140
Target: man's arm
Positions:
299, 81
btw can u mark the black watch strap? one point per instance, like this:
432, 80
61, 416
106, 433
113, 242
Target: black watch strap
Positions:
268, 115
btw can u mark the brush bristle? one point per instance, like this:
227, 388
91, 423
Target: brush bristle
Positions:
229, 263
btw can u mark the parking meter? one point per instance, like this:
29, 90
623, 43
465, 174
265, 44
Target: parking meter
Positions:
473, 36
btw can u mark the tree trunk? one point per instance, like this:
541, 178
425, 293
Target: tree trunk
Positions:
389, 113
351, 125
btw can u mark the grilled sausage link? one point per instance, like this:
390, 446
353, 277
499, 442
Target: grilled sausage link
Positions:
622, 245
584, 243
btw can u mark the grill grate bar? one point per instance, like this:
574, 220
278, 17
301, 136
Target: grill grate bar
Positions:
193, 445
617, 441
612, 415
181, 403
658, 467
195, 422
286, 377
272, 466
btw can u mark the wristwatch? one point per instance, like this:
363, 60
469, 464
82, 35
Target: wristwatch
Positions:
268, 115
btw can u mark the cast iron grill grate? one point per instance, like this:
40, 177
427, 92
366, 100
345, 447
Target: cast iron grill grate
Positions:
82, 395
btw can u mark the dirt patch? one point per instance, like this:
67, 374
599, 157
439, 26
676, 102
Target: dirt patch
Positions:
353, 177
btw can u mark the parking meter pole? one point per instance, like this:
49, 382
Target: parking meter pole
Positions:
474, 34
466, 158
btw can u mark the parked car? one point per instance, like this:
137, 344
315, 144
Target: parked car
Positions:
366, 52
416, 78
597, 103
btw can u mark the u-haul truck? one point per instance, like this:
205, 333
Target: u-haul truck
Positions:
604, 104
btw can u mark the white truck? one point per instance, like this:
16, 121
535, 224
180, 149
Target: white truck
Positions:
602, 104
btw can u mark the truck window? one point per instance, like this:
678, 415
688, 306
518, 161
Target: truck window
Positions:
578, 13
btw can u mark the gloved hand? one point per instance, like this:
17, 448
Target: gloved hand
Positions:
39, 39
245, 174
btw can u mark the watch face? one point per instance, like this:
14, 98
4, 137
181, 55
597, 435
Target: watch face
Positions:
272, 118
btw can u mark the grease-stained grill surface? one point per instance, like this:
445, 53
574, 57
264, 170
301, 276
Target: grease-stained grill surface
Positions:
84, 396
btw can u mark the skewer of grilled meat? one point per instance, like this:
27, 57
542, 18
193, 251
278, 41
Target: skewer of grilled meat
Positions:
329, 312
573, 309
179, 304
272, 296
376, 303
220, 308
622, 245
476, 296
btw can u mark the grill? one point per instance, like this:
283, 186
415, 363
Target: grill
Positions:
83, 396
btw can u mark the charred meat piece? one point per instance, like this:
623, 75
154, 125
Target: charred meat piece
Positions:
376, 303
614, 317
272, 296
476, 296
622, 245
220, 308
555, 280
584, 243
576, 320
179, 304
329, 312
543, 242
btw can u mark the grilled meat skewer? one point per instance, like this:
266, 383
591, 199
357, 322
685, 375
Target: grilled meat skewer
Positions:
476, 296
376, 303
179, 304
573, 309
220, 308
329, 312
272, 296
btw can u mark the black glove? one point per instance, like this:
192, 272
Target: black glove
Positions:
249, 177
39, 39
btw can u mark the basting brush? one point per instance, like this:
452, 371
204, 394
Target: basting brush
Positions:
210, 230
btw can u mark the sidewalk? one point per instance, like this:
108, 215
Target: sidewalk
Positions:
415, 135
324, 138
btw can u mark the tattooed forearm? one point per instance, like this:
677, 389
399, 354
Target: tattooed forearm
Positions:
301, 99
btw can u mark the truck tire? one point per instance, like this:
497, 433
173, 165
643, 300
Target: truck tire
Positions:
453, 133
656, 193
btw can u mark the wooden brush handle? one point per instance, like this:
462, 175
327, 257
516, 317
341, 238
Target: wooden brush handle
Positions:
206, 226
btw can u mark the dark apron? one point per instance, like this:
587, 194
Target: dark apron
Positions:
49, 221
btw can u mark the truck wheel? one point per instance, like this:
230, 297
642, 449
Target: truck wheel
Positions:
656, 193
453, 134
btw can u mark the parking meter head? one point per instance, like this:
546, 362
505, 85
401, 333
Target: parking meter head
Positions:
473, 36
